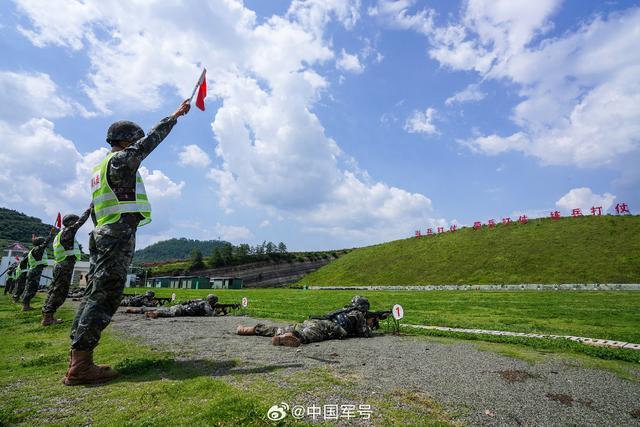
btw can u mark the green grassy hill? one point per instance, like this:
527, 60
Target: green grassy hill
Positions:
18, 227
587, 249
175, 249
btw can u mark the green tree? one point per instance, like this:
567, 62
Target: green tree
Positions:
227, 253
282, 248
197, 262
270, 248
216, 257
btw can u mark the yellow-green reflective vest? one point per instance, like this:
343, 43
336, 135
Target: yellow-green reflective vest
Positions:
60, 253
106, 205
33, 263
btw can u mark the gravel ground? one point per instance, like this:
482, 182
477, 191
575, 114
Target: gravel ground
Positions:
485, 388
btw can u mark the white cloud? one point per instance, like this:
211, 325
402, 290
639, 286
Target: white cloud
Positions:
26, 95
585, 199
41, 170
159, 185
420, 122
397, 14
350, 63
192, 155
577, 108
272, 149
470, 93
233, 233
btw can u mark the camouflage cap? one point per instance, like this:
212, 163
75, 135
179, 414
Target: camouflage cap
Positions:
70, 219
212, 299
360, 302
124, 130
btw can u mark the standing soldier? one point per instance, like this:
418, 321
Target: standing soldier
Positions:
8, 285
66, 251
38, 259
120, 205
21, 277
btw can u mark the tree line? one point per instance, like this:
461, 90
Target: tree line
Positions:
228, 254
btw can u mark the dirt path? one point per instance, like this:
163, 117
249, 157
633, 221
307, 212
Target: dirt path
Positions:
481, 387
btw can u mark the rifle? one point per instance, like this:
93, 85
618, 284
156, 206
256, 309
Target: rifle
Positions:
159, 300
224, 308
377, 316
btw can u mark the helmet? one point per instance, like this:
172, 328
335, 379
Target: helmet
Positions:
149, 294
38, 240
360, 302
124, 130
212, 299
70, 219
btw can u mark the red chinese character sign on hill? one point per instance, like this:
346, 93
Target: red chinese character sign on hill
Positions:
622, 208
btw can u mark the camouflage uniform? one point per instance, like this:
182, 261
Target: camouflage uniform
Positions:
111, 246
18, 287
314, 330
196, 307
8, 285
33, 277
63, 271
139, 301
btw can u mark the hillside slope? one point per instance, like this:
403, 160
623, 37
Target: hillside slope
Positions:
18, 227
175, 249
587, 249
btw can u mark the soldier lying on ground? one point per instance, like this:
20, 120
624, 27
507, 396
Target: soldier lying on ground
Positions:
351, 321
75, 293
145, 300
196, 307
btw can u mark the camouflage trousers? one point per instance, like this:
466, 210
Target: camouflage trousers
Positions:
111, 248
309, 331
18, 287
59, 288
8, 286
33, 282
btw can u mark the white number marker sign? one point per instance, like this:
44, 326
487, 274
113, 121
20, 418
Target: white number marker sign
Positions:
245, 302
398, 312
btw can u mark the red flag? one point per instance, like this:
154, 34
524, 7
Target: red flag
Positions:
202, 91
59, 221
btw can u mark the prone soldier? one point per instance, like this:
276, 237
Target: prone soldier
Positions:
145, 300
66, 251
196, 307
352, 321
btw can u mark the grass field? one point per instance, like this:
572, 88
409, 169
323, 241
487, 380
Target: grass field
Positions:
154, 388
590, 249
610, 315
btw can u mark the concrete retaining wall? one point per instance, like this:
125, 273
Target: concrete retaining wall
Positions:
521, 287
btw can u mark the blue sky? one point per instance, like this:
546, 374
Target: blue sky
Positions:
329, 124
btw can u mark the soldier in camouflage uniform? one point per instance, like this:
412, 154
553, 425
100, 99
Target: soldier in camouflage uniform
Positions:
8, 284
37, 259
146, 300
120, 205
66, 252
195, 307
344, 323
21, 278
